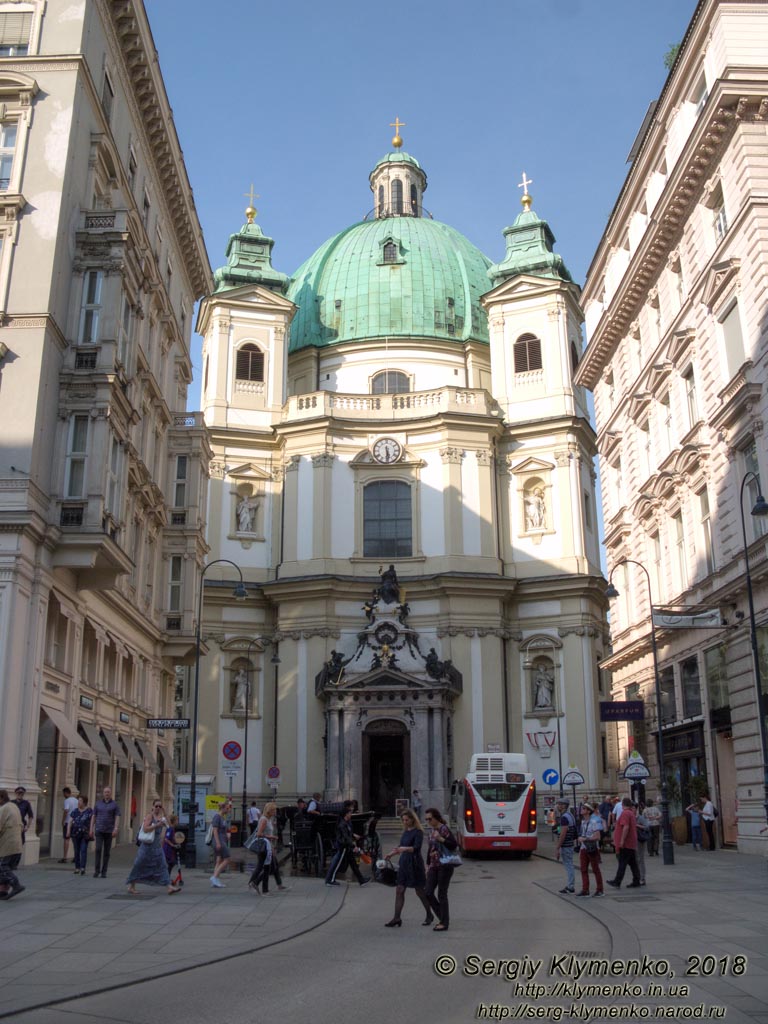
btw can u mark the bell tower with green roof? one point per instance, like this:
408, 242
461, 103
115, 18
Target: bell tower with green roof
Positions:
534, 321
245, 325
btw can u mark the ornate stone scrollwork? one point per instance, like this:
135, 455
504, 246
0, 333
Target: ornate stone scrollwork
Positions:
452, 455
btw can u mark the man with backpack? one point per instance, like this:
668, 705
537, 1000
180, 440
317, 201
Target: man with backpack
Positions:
564, 849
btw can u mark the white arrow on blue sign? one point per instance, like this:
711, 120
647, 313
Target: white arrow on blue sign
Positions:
550, 777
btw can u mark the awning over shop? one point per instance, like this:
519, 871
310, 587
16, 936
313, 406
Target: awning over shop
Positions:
97, 743
147, 755
114, 745
133, 754
73, 741
165, 747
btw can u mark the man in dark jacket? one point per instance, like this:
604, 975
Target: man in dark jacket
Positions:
625, 842
346, 847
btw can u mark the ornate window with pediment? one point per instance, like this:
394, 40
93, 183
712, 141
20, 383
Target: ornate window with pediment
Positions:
387, 519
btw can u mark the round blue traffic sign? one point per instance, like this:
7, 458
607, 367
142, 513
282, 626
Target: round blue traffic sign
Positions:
550, 777
232, 750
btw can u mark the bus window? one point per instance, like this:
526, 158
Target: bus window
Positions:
500, 792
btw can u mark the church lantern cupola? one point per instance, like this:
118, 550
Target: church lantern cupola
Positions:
397, 181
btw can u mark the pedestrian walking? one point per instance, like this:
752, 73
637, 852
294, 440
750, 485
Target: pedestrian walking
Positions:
625, 841
417, 805
643, 835
694, 810
591, 829
708, 815
346, 850
266, 863
653, 814
171, 850
104, 825
27, 817
150, 866
10, 846
441, 849
79, 831
70, 804
253, 815
220, 829
565, 844
411, 873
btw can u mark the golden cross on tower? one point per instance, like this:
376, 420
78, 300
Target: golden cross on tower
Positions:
526, 199
397, 124
251, 211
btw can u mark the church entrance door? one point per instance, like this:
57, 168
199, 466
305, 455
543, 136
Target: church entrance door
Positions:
386, 765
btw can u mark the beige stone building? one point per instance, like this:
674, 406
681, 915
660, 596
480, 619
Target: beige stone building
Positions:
102, 470
398, 401
676, 319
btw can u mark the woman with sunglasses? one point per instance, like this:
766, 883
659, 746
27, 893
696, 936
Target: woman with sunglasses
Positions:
441, 841
150, 866
410, 868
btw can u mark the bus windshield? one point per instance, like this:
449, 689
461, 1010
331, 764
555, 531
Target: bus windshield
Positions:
499, 792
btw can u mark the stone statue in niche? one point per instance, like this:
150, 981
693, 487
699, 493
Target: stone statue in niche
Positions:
240, 702
389, 591
544, 684
246, 514
535, 510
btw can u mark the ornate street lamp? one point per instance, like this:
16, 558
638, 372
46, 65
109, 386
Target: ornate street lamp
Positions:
667, 847
760, 508
274, 660
240, 594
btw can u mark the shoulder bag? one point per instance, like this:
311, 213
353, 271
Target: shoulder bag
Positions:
145, 836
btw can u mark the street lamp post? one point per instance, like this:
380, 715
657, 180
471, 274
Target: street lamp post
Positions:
760, 509
667, 847
274, 660
240, 594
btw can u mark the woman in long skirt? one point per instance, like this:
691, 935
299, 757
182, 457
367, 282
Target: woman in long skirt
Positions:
150, 866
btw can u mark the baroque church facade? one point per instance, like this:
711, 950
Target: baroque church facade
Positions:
402, 469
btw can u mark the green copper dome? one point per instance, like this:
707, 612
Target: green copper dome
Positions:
395, 276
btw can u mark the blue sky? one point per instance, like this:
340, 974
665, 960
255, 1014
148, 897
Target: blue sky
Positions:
297, 98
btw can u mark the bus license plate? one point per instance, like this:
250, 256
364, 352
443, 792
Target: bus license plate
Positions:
497, 843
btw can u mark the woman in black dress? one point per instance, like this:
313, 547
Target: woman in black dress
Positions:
441, 842
410, 868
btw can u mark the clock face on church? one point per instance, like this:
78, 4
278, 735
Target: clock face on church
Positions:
387, 450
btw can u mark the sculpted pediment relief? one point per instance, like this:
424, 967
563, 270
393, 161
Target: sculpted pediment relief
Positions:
383, 678
532, 465
248, 471
719, 278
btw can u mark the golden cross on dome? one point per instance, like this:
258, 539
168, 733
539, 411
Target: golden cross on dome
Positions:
397, 124
251, 212
526, 199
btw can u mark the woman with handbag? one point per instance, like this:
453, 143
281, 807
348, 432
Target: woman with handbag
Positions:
265, 848
150, 866
79, 831
410, 868
442, 858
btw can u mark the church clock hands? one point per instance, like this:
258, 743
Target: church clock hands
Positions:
387, 450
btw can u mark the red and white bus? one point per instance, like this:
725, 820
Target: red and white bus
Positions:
494, 806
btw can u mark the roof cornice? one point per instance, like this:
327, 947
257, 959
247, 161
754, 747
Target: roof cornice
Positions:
132, 39
730, 103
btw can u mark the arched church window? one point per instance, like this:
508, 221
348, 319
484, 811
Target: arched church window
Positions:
390, 382
387, 520
414, 200
527, 353
397, 197
381, 200
249, 364
390, 253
